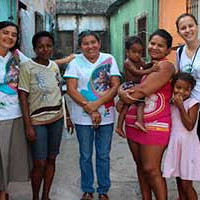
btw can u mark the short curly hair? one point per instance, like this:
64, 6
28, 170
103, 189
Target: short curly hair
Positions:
185, 77
40, 34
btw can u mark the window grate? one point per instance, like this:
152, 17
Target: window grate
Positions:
192, 7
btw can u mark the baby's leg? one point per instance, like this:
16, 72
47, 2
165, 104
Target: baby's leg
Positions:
140, 115
119, 130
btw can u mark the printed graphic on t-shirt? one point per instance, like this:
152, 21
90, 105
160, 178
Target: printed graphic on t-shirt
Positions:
99, 84
42, 79
11, 78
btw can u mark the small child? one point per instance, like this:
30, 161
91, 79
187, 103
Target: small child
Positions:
135, 69
182, 158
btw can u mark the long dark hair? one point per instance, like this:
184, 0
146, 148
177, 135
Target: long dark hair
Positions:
4, 24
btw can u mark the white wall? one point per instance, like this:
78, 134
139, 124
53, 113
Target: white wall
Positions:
95, 23
69, 23
66, 23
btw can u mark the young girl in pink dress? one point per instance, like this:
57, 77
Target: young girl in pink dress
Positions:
182, 158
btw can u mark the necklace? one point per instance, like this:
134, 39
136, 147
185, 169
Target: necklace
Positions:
193, 59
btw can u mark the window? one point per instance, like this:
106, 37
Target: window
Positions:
103, 35
192, 7
126, 30
126, 34
38, 22
65, 42
142, 31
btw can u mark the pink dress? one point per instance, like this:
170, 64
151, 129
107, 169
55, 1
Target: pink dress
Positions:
157, 119
183, 152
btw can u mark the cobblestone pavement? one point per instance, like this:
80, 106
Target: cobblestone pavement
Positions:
67, 179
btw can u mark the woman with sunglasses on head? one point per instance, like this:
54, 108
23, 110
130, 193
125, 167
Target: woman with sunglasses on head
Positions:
14, 160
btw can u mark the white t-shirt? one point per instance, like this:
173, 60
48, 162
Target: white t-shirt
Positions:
9, 72
93, 82
185, 66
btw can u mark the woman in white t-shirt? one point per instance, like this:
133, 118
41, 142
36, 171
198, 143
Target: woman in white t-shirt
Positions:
93, 110
188, 60
14, 160
188, 55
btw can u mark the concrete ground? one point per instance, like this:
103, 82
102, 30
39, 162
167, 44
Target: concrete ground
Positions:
67, 179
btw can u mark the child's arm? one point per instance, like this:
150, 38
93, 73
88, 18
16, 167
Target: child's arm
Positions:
64, 60
188, 118
30, 132
68, 122
129, 66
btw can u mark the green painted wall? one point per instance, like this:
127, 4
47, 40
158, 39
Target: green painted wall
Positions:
7, 9
127, 13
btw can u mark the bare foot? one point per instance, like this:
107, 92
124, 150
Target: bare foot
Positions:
120, 132
140, 126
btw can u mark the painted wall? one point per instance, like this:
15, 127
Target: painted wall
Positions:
79, 23
8, 9
127, 13
169, 10
28, 25
96, 23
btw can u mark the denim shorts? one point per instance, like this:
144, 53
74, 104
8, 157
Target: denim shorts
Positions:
48, 139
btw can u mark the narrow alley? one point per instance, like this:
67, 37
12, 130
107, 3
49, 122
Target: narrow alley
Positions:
67, 179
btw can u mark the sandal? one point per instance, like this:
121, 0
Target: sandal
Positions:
87, 196
103, 197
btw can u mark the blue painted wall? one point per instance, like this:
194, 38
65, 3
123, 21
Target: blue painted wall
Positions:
7, 9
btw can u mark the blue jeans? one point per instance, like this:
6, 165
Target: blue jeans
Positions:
102, 136
48, 139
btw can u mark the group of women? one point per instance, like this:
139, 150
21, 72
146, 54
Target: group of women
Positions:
92, 80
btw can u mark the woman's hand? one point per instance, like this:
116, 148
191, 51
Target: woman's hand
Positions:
91, 107
70, 126
96, 119
155, 67
30, 134
125, 95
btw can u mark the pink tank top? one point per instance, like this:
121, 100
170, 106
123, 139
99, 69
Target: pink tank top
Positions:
156, 112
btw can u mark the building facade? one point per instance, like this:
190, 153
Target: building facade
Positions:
169, 10
8, 10
31, 16
74, 16
129, 18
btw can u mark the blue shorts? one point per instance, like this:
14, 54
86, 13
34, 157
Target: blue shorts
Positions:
48, 139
